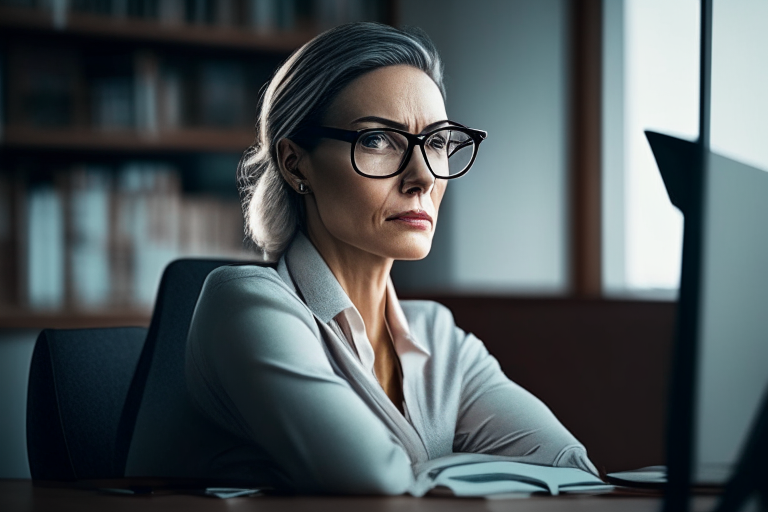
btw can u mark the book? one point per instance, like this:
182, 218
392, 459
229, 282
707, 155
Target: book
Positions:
225, 14
170, 99
112, 103
88, 237
197, 226
42, 89
91, 237
222, 94
286, 15
146, 229
263, 15
145, 93
159, 244
481, 475
198, 12
171, 12
45, 248
230, 231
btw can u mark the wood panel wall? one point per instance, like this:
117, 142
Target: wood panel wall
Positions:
601, 365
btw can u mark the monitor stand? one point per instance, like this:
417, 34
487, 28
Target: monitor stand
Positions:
751, 473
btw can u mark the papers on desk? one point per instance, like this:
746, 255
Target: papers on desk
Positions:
228, 492
478, 475
210, 492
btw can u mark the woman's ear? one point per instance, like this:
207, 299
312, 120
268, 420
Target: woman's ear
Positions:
289, 154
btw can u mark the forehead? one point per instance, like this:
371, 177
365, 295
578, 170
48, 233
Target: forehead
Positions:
400, 93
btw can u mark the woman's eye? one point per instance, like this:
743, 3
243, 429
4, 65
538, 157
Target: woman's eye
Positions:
374, 141
437, 142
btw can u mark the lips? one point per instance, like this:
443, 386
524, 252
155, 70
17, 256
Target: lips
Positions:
412, 214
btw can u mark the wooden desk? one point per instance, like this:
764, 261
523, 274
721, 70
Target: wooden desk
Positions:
22, 496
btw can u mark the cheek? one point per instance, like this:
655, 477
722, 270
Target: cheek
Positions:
346, 200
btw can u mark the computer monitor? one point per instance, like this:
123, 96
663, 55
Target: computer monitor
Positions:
733, 316
717, 424
731, 364
718, 414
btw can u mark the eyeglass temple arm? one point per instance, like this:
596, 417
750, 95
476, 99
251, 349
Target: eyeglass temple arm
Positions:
480, 134
337, 133
328, 132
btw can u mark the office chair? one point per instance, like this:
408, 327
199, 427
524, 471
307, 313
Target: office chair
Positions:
78, 382
88, 386
158, 392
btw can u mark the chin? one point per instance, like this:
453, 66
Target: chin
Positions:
411, 249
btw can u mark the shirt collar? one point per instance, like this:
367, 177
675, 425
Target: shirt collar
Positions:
398, 324
325, 296
316, 283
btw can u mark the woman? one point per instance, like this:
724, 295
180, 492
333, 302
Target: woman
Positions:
329, 383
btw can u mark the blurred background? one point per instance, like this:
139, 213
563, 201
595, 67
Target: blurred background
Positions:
122, 122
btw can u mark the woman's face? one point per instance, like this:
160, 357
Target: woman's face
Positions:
362, 212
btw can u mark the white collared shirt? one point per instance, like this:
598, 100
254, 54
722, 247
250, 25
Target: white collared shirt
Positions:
349, 325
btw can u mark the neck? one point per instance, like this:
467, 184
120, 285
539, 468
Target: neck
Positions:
362, 275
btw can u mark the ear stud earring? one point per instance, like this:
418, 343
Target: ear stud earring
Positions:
303, 189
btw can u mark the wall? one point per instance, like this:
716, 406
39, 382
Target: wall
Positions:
503, 227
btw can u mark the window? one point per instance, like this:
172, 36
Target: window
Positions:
650, 82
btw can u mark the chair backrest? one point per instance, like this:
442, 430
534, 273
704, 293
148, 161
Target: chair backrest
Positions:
157, 396
78, 383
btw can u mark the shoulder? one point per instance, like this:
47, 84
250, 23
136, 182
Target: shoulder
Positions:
250, 292
246, 314
237, 281
239, 275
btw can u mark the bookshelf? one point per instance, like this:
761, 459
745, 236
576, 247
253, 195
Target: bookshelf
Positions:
121, 123
99, 27
185, 140
22, 318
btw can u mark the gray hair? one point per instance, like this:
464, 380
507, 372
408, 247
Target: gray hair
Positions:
297, 97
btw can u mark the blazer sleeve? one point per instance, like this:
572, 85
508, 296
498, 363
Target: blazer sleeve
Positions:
256, 365
497, 416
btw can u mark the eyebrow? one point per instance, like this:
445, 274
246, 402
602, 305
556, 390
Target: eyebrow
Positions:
395, 124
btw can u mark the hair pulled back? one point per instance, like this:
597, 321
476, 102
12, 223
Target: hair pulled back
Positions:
297, 97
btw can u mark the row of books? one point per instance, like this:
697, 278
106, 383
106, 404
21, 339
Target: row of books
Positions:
57, 87
99, 238
263, 16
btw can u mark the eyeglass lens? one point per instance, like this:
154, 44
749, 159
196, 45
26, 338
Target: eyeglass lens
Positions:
381, 152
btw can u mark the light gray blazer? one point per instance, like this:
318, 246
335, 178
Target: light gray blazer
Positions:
288, 402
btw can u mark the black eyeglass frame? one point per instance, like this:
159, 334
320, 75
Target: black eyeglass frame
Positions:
352, 136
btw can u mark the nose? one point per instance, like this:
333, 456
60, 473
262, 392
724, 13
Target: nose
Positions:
417, 178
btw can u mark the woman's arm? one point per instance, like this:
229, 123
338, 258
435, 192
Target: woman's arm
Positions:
499, 417
255, 364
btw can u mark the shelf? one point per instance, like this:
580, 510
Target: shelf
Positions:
79, 139
139, 30
26, 319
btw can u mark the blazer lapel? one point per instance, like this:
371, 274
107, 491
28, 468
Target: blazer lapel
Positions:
303, 270
372, 393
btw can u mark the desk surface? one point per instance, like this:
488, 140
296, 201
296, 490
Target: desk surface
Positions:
21, 495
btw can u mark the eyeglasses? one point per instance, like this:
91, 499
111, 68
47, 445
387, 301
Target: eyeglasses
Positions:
385, 152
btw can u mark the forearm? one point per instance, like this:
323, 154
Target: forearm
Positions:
500, 417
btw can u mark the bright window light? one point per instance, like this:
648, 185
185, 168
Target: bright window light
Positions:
661, 93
